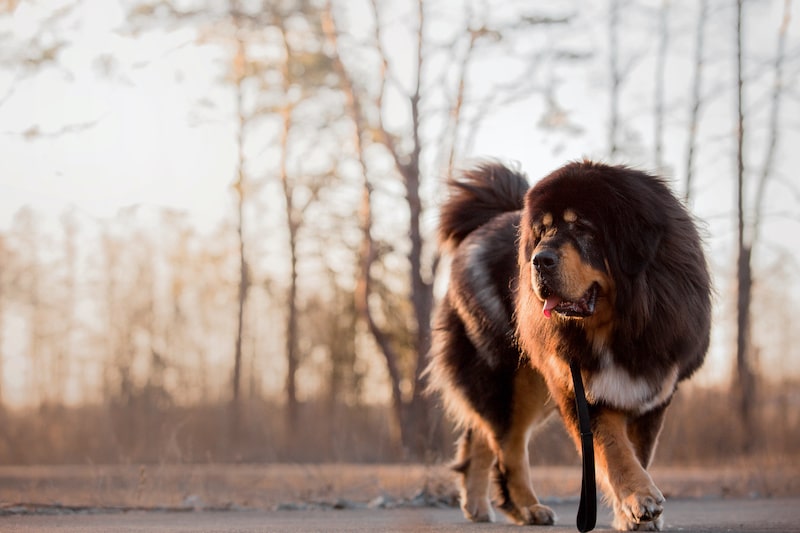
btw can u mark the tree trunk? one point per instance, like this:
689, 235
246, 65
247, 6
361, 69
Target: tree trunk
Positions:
412, 418
366, 252
64, 354
661, 64
745, 375
244, 281
697, 85
746, 368
745, 382
362, 292
417, 426
774, 121
616, 78
292, 225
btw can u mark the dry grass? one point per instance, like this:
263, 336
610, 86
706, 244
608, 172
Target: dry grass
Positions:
701, 429
152, 455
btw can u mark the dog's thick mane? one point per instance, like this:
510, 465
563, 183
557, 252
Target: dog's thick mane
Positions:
654, 256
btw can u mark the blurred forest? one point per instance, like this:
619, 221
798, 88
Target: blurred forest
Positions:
294, 326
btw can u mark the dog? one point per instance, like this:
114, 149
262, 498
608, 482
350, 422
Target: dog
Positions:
596, 264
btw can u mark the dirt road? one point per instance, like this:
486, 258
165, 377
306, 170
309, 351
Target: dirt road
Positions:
695, 515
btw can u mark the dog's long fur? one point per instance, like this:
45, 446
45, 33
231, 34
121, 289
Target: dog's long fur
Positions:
597, 264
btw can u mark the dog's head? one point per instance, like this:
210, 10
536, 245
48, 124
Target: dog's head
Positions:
581, 235
568, 266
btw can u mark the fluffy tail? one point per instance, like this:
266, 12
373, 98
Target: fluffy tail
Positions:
477, 196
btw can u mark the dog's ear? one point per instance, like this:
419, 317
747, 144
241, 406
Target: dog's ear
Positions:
636, 244
525, 235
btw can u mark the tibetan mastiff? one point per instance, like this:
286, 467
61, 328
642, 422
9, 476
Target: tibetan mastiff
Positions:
596, 264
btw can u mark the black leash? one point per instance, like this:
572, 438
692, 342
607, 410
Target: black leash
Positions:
587, 510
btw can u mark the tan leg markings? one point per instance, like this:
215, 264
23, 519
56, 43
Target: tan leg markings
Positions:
475, 502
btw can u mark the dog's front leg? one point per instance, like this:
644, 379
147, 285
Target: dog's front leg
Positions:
631, 491
636, 499
644, 430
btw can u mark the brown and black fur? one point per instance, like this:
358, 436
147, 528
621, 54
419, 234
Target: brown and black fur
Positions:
597, 264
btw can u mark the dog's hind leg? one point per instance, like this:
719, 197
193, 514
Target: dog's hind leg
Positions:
516, 496
474, 460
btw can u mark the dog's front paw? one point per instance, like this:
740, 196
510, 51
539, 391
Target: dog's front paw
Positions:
539, 515
640, 511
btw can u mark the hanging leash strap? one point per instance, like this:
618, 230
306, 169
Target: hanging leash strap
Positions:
587, 510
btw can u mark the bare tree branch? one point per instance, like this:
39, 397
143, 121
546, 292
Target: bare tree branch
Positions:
35, 133
367, 249
12, 88
661, 64
745, 376
292, 225
616, 76
697, 101
774, 121
458, 104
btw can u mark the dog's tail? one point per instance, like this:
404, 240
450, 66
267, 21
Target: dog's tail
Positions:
477, 196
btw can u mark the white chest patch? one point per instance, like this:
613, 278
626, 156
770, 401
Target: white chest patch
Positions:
615, 386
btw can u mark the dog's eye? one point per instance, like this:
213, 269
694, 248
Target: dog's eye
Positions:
536, 233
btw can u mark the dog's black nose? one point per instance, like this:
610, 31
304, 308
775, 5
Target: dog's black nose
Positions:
545, 260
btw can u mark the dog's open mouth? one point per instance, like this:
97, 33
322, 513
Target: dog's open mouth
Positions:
580, 308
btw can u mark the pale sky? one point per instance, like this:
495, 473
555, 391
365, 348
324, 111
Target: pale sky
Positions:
132, 141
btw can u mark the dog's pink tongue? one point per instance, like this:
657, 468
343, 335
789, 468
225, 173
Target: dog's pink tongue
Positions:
549, 304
